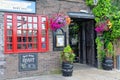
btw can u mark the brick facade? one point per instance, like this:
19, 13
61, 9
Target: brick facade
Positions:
48, 62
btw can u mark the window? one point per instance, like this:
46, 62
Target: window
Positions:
25, 33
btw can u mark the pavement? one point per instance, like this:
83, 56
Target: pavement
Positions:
81, 72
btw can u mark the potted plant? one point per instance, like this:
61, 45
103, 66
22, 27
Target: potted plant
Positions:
107, 63
67, 58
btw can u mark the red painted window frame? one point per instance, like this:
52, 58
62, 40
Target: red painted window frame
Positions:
14, 34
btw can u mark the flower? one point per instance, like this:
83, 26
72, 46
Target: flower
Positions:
57, 21
68, 20
100, 27
103, 26
109, 24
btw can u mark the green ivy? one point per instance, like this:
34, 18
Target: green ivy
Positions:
100, 51
89, 2
102, 10
115, 33
107, 10
109, 47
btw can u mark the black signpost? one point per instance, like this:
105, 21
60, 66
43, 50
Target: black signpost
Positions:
28, 61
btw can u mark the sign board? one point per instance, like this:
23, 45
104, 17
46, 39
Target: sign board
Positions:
28, 61
25, 6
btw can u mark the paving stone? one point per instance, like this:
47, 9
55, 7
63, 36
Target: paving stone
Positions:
81, 72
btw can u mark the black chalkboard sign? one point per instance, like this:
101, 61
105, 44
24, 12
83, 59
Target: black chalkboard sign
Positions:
28, 61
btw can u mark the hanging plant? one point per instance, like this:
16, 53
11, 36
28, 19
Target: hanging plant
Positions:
59, 20
103, 26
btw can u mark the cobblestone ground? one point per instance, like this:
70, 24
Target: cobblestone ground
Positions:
81, 72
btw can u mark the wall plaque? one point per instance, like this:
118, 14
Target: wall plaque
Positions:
28, 61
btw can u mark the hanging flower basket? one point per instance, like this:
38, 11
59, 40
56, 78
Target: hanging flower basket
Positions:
59, 20
103, 26
100, 27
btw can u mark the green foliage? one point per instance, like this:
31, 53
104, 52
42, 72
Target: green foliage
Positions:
102, 10
109, 47
67, 49
89, 2
116, 3
74, 28
67, 54
100, 51
115, 33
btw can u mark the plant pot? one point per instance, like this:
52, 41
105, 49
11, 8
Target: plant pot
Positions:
67, 69
107, 63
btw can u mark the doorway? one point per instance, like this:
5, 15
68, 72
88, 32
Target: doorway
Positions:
84, 41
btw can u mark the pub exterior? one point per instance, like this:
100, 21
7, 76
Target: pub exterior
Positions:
28, 45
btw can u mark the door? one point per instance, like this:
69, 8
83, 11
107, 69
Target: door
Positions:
87, 47
84, 41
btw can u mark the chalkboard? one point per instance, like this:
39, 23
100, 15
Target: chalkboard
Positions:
28, 61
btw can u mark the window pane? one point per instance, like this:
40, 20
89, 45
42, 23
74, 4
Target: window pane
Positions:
29, 39
43, 32
9, 46
35, 39
29, 26
19, 18
30, 46
19, 25
24, 19
43, 26
9, 32
35, 32
43, 45
24, 39
24, 26
24, 46
19, 46
9, 18
43, 39
9, 25
24, 32
30, 33
19, 39
19, 32
43, 19
9, 39
35, 46
34, 19
29, 19
34, 26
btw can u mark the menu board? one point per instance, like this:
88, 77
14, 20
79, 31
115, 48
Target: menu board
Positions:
28, 61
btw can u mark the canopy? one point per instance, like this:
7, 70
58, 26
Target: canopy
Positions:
81, 15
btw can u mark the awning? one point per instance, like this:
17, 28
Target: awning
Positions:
82, 15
